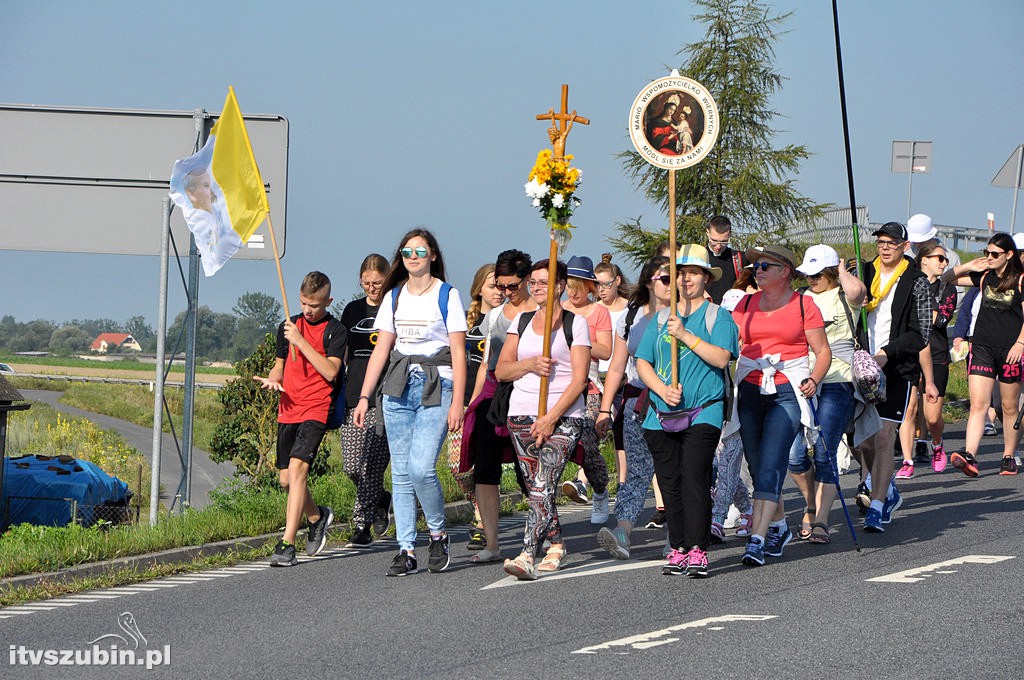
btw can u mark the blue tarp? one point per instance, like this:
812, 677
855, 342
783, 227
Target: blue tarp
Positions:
36, 487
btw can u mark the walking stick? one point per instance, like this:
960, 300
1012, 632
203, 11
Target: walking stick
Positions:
835, 473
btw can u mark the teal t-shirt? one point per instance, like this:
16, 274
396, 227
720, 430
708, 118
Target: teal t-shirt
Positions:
701, 382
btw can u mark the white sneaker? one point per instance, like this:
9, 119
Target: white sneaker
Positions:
731, 518
599, 515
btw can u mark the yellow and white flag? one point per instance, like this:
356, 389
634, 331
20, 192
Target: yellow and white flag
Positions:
219, 189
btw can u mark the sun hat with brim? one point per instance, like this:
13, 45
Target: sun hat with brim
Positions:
920, 228
777, 253
694, 255
581, 267
817, 258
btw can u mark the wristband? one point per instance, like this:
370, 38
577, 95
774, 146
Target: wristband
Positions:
608, 412
363, 396
694, 345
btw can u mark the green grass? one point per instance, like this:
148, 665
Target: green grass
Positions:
130, 364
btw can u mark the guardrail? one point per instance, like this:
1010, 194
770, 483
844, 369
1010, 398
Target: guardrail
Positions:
114, 381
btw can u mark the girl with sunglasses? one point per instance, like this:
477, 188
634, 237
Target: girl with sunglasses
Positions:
420, 360
613, 291
997, 346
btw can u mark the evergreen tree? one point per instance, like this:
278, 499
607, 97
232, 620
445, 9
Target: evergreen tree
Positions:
743, 177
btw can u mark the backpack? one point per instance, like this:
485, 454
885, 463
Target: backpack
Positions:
442, 300
497, 414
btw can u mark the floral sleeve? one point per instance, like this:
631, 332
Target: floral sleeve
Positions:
945, 306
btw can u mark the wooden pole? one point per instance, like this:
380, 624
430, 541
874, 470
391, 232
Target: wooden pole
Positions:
672, 269
280, 276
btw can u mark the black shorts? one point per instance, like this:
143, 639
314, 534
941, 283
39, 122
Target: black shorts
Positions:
617, 422
897, 394
298, 440
940, 374
990, 362
487, 448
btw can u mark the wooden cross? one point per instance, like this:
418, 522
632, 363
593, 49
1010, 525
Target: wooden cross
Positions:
561, 123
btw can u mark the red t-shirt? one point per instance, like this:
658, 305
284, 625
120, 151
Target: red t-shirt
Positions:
779, 332
307, 394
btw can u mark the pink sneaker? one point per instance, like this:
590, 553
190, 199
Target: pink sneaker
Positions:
678, 562
744, 524
906, 470
938, 458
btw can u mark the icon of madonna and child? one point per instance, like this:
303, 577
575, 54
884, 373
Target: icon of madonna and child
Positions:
673, 121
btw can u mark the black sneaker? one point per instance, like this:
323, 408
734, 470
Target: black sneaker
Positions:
921, 452
863, 497
316, 533
284, 555
477, 539
438, 557
383, 521
402, 565
361, 538
1008, 466
657, 520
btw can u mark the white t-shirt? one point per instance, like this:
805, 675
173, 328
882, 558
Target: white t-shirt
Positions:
526, 394
880, 319
417, 322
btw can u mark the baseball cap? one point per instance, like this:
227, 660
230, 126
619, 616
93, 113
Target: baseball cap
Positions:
817, 258
893, 230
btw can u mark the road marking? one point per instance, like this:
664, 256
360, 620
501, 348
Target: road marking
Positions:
921, 573
657, 638
576, 572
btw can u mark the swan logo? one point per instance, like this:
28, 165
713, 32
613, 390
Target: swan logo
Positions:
129, 647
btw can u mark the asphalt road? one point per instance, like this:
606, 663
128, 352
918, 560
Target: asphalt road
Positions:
206, 474
936, 596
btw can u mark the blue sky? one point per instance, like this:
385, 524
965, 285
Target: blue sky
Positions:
409, 113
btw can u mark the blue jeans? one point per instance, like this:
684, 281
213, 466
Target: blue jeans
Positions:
835, 409
415, 434
768, 425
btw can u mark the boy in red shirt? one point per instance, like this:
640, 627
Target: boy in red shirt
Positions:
304, 377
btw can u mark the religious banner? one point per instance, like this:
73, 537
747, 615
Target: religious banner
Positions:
674, 122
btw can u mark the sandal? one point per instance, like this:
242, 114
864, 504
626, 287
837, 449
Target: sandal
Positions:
485, 556
822, 538
521, 567
552, 559
807, 526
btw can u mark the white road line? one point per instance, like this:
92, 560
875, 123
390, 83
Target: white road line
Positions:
102, 595
921, 573
661, 637
591, 569
27, 608
61, 602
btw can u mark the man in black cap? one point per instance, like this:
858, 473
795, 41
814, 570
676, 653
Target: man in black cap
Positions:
899, 321
731, 262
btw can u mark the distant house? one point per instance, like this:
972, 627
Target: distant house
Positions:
108, 342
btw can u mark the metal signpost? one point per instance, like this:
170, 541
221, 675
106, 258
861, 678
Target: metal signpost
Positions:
913, 158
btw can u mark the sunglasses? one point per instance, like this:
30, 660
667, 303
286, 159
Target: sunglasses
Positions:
605, 284
664, 278
942, 258
420, 251
995, 253
763, 266
510, 287
814, 277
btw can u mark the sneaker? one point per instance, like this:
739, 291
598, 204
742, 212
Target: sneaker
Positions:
361, 538
316, 532
599, 515
892, 503
964, 462
403, 565
697, 563
776, 540
657, 519
438, 557
744, 524
990, 429
576, 491
906, 470
477, 539
678, 562
383, 521
731, 518
863, 497
873, 521
717, 532
921, 454
284, 555
1008, 466
938, 458
753, 556
614, 541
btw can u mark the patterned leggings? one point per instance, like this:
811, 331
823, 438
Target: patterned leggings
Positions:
366, 456
542, 468
629, 501
594, 465
731, 487
465, 479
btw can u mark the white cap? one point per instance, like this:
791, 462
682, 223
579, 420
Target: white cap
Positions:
731, 298
1018, 240
817, 258
920, 228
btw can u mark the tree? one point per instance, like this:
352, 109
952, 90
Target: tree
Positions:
69, 339
215, 332
743, 177
139, 329
258, 314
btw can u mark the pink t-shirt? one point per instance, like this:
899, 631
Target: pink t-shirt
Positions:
779, 332
600, 319
526, 394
